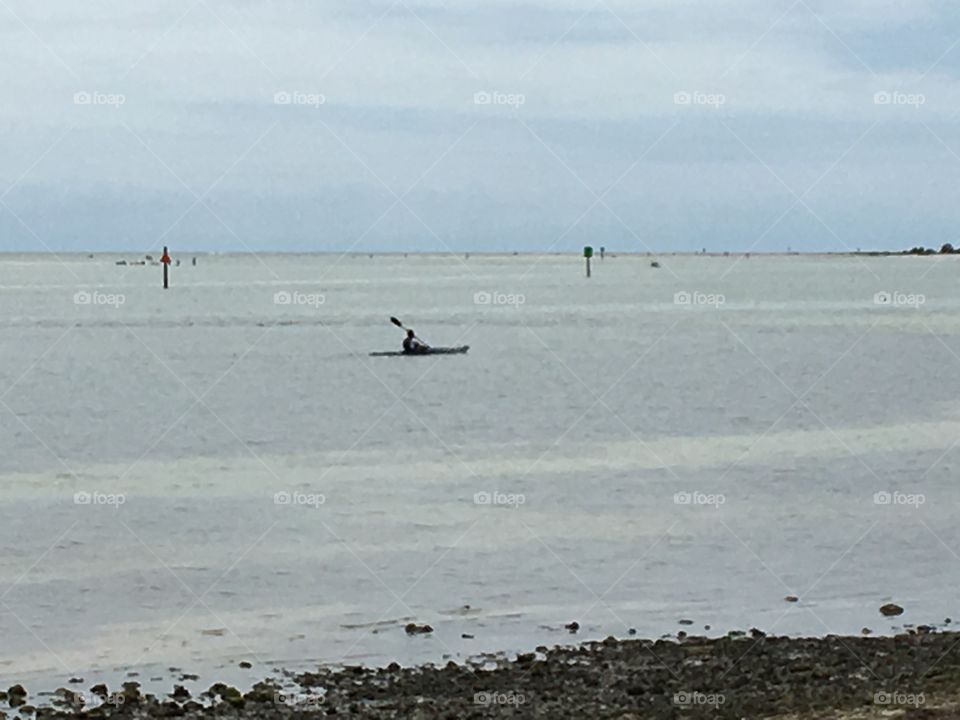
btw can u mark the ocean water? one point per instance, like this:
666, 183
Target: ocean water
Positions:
211, 474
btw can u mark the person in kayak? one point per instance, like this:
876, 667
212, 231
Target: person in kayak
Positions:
413, 345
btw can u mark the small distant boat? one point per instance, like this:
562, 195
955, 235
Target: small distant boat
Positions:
462, 350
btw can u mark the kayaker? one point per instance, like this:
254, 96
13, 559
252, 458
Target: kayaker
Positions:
412, 344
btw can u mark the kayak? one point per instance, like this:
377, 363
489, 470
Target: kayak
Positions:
430, 351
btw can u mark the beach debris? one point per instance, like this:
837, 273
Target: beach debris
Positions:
866, 631
414, 629
685, 622
792, 598
215, 632
573, 626
466, 636
654, 264
891, 610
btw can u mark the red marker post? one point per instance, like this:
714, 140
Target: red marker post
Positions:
165, 260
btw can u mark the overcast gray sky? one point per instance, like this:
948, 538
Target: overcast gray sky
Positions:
479, 124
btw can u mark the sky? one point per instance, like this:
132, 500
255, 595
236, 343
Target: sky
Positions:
482, 125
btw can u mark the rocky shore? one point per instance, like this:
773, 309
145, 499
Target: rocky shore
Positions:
743, 675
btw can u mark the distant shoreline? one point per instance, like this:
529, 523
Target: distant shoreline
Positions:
184, 253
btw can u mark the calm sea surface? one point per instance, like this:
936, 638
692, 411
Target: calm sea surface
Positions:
220, 473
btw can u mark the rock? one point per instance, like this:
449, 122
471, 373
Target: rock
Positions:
573, 626
466, 636
632, 631
75, 680
681, 635
245, 665
100, 690
17, 696
757, 634
891, 610
865, 631
180, 693
414, 629
792, 598
393, 667
685, 622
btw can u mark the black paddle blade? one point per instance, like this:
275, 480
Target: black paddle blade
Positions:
396, 322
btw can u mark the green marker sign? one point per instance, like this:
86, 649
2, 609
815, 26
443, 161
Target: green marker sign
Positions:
588, 252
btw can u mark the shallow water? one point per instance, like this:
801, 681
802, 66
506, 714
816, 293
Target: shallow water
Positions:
581, 412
